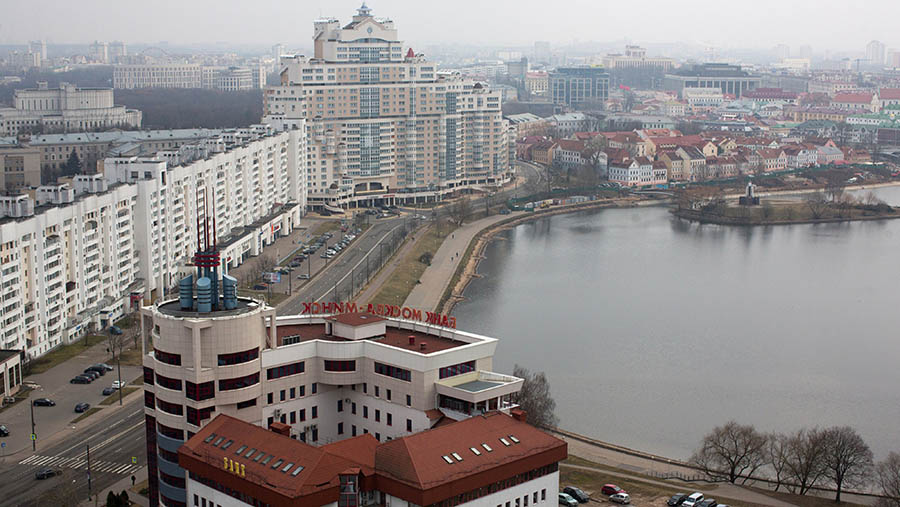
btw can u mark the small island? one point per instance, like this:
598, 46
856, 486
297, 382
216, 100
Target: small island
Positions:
830, 204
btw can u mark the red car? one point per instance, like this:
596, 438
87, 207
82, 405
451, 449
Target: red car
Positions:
611, 489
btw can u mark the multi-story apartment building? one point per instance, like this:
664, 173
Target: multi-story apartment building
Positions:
94, 243
325, 377
731, 79
67, 261
537, 83
385, 125
579, 87
66, 109
634, 68
189, 75
20, 167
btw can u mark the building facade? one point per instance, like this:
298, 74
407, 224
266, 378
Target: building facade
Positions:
323, 377
731, 79
189, 75
579, 87
20, 167
66, 109
385, 125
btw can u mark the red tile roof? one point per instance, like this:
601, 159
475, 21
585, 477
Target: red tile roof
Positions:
570, 145
853, 98
889, 94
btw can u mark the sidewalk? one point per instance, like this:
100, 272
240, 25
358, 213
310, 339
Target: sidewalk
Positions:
124, 484
436, 277
387, 272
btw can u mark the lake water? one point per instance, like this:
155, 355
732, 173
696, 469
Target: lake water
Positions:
652, 330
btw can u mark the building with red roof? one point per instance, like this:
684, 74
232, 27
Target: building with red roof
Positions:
888, 97
489, 459
856, 101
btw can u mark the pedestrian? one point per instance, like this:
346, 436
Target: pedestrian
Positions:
133, 478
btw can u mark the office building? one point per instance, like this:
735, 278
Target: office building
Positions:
100, 52
635, 69
488, 460
83, 250
65, 109
875, 52
384, 125
189, 75
731, 79
579, 87
39, 47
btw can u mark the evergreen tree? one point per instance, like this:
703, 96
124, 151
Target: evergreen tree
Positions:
73, 165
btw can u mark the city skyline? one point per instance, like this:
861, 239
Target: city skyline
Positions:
769, 24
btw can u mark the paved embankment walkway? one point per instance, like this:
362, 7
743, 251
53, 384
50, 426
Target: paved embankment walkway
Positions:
435, 279
368, 294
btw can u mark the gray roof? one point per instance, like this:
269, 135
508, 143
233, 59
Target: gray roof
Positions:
115, 137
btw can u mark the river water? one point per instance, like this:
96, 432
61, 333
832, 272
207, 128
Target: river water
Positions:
653, 330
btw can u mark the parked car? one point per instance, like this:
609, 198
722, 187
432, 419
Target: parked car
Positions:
4, 431
82, 407
108, 390
115, 330
677, 499
611, 489
103, 366
94, 375
568, 501
304, 276
504, 211
693, 499
622, 498
43, 402
293, 264
708, 502
117, 384
80, 379
97, 368
45, 473
577, 494
260, 286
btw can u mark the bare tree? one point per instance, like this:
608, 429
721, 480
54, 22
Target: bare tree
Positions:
731, 452
835, 187
806, 459
848, 459
460, 210
767, 210
265, 263
817, 204
777, 445
888, 475
534, 397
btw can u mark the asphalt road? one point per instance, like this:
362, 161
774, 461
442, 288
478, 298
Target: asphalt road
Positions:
113, 441
338, 268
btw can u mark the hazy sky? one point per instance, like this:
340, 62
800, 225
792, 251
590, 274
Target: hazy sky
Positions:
824, 24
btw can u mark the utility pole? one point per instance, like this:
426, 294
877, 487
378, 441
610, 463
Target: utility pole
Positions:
33, 433
89, 469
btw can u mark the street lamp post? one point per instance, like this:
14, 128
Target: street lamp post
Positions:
33, 433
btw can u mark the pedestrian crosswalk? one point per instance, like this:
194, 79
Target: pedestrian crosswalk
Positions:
79, 461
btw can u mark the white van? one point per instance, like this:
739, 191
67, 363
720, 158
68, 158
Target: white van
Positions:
693, 500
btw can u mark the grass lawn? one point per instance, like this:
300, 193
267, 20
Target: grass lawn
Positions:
142, 488
114, 397
262, 295
92, 410
63, 353
24, 392
327, 226
130, 357
408, 272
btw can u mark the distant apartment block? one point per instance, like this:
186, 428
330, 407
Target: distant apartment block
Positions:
189, 75
731, 79
19, 168
635, 69
384, 125
65, 109
85, 249
579, 87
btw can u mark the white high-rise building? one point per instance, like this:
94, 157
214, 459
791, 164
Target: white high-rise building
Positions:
384, 124
875, 53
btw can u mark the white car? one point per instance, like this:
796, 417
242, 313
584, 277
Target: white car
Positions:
622, 498
117, 384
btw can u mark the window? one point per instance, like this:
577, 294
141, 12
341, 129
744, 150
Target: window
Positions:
456, 369
195, 416
293, 417
148, 375
238, 383
302, 414
409, 425
390, 419
169, 383
246, 404
340, 405
293, 392
393, 371
165, 357
408, 400
365, 412
353, 430
290, 340
377, 392
199, 392
170, 432
353, 408
314, 387
340, 365
377, 415
149, 399
388, 394
286, 370
340, 428
302, 391
238, 357
169, 408
315, 434
378, 436
315, 412
269, 398
281, 395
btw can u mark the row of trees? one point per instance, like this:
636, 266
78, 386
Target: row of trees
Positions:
800, 461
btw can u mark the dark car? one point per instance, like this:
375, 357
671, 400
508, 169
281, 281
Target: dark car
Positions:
4, 431
115, 330
577, 494
43, 402
97, 368
108, 390
45, 473
611, 489
91, 373
260, 286
81, 379
104, 366
709, 502
82, 407
676, 500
